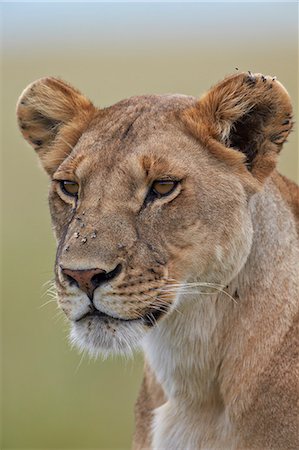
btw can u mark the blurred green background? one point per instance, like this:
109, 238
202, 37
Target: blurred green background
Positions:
51, 397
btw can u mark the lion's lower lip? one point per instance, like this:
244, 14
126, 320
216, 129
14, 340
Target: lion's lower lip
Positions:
148, 319
102, 315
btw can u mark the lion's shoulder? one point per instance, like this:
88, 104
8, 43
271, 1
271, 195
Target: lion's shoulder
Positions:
289, 191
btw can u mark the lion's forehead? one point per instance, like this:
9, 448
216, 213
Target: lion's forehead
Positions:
120, 136
134, 119
161, 103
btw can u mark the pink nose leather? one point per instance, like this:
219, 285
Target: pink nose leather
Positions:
86, 279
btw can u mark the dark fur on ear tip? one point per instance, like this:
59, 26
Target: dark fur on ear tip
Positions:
251, 79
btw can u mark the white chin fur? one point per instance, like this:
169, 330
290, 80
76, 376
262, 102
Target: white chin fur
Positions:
102, 339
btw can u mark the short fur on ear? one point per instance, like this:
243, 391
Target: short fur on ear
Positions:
244, 120
52, 115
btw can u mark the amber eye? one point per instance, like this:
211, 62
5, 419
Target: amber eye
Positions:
69, 188
163, 187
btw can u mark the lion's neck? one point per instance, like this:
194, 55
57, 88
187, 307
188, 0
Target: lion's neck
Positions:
185, 353
180, 349
209, 354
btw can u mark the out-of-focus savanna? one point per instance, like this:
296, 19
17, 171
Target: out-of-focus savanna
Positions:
52, 397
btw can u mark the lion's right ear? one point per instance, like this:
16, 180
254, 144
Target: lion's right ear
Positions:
52, 115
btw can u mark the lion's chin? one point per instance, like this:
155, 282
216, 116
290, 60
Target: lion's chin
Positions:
105, 338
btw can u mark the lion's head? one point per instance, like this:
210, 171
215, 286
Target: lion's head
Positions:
149, 194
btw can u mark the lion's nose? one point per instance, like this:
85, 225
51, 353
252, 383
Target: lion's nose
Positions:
89, 279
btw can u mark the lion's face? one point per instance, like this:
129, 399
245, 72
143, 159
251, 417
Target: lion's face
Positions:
140, 207
144, 243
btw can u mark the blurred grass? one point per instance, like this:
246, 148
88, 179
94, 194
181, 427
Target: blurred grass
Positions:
50, 398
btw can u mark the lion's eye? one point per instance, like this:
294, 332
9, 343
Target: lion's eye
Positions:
163, 187
69, 188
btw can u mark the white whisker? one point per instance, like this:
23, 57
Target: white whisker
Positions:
52, 300
80, 362
188, 288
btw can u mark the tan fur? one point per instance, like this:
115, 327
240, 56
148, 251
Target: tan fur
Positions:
217, 258
52, 116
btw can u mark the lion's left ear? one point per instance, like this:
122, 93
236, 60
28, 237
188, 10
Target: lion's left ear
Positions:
245, 119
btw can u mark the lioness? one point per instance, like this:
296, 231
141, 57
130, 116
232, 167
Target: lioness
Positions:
177, 234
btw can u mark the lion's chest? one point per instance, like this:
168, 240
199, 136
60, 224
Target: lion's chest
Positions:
177, 427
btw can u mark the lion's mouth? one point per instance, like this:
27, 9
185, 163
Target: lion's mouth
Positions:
149, 319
